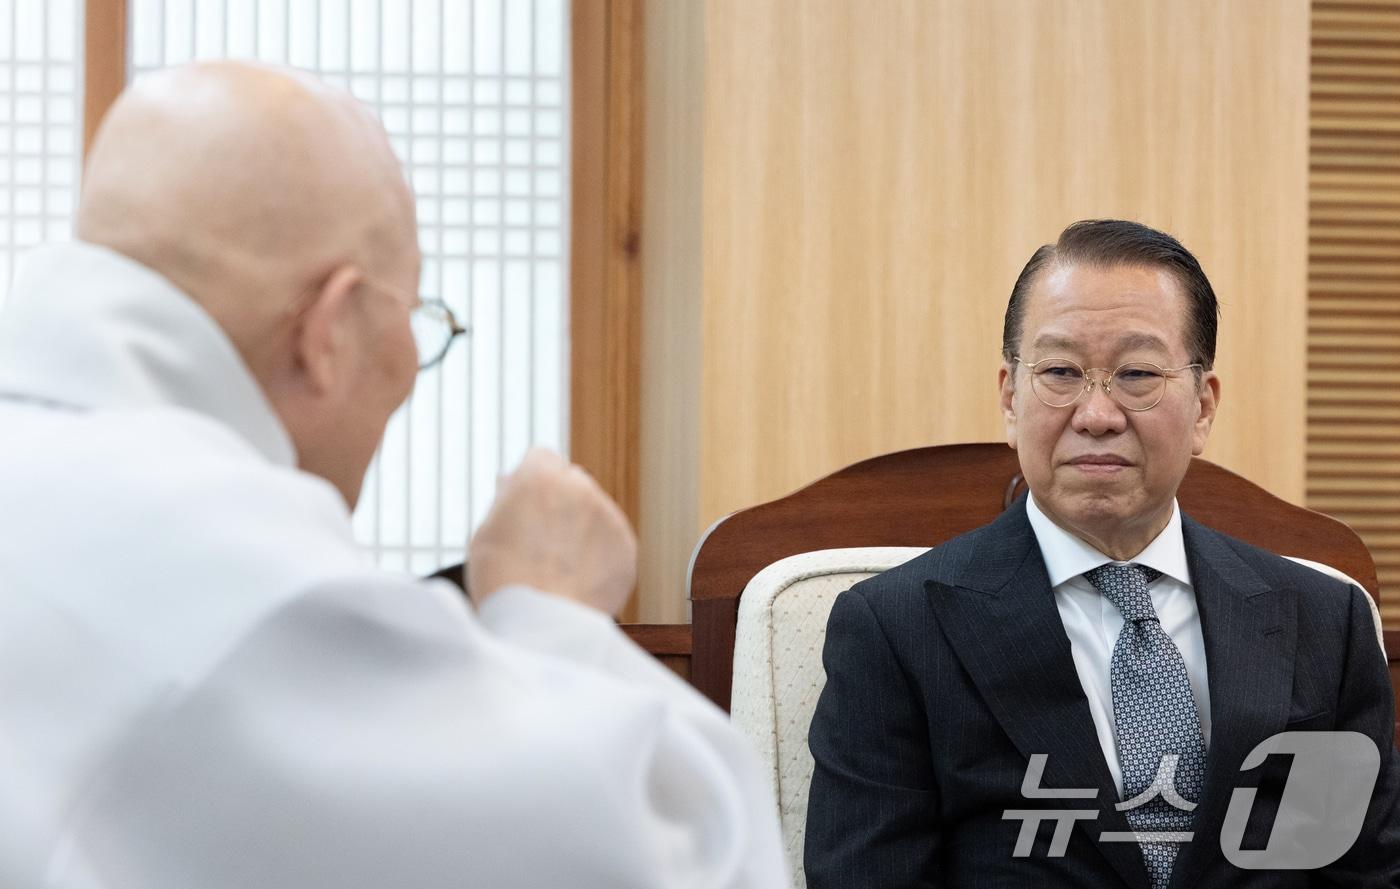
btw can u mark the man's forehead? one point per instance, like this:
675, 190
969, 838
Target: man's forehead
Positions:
1143, 307
1070, 280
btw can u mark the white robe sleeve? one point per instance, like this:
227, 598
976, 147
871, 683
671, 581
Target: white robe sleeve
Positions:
558, 627
376, 733
561, 628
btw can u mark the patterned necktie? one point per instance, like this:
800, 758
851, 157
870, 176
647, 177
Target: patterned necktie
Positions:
1154, 719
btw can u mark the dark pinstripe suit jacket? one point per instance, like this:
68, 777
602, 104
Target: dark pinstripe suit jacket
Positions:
945, 674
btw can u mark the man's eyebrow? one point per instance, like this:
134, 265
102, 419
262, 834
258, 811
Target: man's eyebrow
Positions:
1051, 341
1124, 343
1138, 340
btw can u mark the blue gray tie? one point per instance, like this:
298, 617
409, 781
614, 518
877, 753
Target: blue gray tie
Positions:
1154, 718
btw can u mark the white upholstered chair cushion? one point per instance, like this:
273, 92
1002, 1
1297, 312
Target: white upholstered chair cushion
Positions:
778, 671
778, 666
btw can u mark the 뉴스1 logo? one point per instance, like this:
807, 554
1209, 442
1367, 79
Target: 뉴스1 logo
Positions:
1319, 817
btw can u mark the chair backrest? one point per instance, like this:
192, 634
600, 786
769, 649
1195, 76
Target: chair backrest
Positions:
778, 673
925, 496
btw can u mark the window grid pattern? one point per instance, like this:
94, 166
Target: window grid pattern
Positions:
40, 135
473, 95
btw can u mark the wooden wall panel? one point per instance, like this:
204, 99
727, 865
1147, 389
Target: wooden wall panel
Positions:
1353, 453
876, 174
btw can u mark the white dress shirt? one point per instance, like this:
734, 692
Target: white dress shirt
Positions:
205, 683
1093, 623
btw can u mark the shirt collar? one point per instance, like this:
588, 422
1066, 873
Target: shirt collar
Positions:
89, 328
1066, 556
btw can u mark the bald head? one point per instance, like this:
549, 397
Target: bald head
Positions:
244, 185
276, 203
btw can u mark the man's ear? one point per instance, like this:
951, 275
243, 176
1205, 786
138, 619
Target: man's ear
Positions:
1006, 382
321, 337
1208, 399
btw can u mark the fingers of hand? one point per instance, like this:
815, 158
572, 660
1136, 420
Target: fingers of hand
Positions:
553, 526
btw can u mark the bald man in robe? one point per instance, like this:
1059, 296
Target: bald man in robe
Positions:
203, 680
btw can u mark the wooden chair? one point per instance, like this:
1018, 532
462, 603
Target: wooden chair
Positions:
924, 496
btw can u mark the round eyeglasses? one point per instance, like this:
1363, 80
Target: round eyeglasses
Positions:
434, 325
434, 329
1136, 386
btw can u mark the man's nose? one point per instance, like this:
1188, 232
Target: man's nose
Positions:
1096, 412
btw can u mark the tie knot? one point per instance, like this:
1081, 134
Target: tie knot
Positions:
1126, 587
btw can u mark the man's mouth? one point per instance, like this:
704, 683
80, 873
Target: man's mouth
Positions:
1100, 462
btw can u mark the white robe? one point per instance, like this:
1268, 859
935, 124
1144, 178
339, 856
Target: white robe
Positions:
204, 683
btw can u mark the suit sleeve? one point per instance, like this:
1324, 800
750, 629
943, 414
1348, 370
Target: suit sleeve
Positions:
1366, 704
872, 812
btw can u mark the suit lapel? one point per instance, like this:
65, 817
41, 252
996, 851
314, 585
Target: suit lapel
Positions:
1026, 673
1250, 635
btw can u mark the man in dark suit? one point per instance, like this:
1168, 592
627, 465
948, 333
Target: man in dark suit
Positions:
1093, 656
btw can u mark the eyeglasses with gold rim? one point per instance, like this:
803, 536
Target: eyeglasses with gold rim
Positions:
1134, 386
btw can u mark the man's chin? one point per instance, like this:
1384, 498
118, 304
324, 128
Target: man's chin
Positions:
1094, 488
1096, 510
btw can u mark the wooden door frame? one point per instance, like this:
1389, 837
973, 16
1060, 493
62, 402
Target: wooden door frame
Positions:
104, 61
605, 281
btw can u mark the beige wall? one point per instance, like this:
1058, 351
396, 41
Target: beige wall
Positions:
874, 175
669, 447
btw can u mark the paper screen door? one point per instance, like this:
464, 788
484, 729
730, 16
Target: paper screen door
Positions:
474, 95
41, 75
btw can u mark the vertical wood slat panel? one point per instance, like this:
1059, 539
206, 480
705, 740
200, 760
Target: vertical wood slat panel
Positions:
1353, 454
104, 64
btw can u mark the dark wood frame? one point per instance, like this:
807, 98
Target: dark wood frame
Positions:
669, 643
923, 496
